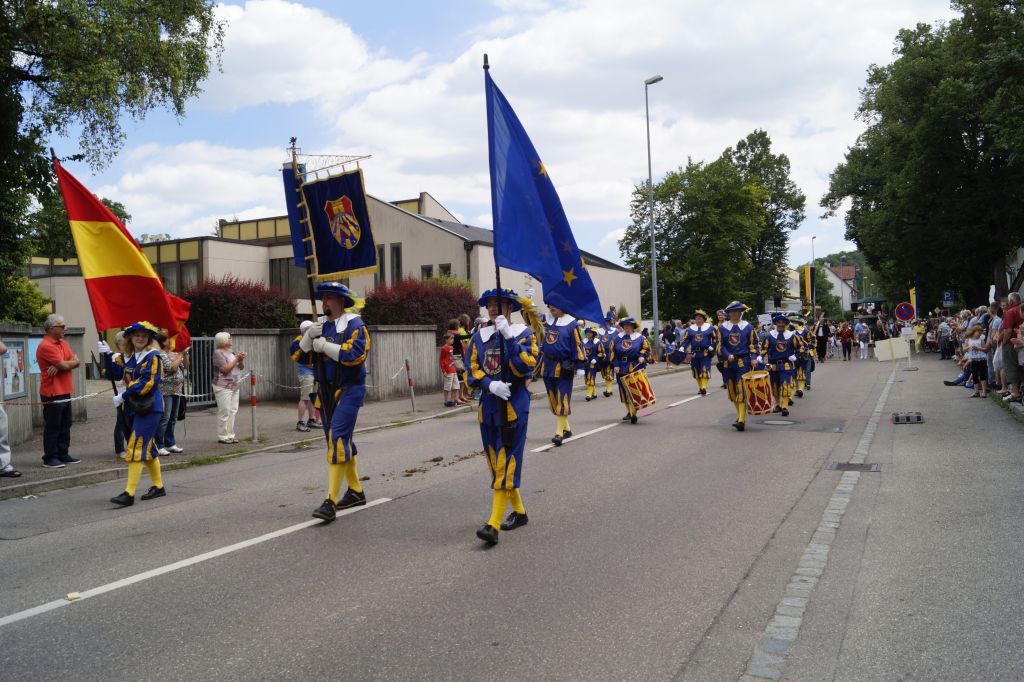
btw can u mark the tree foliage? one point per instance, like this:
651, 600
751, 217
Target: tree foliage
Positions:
721, 228
79, 67
934, 188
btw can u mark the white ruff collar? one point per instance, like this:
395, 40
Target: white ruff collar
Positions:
487, 332
560, 322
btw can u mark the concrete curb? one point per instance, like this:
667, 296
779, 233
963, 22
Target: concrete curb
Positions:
114, 473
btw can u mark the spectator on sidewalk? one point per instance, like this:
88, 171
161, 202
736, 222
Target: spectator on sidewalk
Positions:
6, 470
1011, 364
449, 374
976, 347
945, 332
845, 335
821, 331
995, 360
56, 362
863, 340
172, 385
227, 373
306, 374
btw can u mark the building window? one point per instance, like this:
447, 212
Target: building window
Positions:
288, 278
189, 275
396, 263
444, 269
378, 277
169, 275
426, 271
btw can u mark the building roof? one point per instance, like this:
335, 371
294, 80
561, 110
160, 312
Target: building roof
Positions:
844, 272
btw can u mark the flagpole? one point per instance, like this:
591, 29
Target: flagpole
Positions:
326, 393
507, 432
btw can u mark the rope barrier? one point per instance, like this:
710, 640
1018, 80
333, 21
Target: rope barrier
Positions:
55, 402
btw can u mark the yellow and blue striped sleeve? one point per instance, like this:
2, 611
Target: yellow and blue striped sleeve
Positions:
355, 348
522, 362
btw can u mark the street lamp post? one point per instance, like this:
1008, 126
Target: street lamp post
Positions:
655, 335
814, 293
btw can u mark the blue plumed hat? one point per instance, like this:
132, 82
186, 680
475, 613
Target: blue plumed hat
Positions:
796, 318
700, 311
735, 305
779, 317
507, 294
336, 288
629, 320
142, 326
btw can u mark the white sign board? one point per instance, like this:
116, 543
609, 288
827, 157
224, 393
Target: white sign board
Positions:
891, 349
764, 319
907, 331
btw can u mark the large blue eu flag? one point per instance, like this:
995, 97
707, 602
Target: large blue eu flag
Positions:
332, 214
531, 232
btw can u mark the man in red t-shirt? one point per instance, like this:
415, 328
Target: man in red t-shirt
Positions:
56, 362
1011, 368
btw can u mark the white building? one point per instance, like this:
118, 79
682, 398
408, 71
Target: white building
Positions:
843, 279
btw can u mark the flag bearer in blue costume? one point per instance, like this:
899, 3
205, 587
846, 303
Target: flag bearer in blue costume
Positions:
738, 353
143, 405
781, 349
503, 389
805, 359
594, 352
344, 342
700, 343
630, 352
562, 358
606, 337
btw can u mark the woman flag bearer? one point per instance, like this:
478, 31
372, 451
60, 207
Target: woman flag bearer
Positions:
629, 354
700, 343
594, 351
344, 342
144, 405
561, 358
737, 349
503, 391
781, 349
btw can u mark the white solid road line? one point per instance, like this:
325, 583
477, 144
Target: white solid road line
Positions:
686, 400
184, 563
575, 437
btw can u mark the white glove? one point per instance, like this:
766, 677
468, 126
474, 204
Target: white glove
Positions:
502, 326
593, 363
760, 360
314, 332
500, 389
580, 373
331, 350
103, 347
792, 358
118, 399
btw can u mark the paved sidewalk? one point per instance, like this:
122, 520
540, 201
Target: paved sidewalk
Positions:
93, 440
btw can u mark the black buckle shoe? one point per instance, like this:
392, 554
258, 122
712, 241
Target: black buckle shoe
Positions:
776, 409
785, 413
325, 511
153, 492
566, 434
557, 440
514, 520
633, 419
351, 499
790, 402
738, 425
703, 391
488, 534
123, 500
607, 394
627, 418
799, 394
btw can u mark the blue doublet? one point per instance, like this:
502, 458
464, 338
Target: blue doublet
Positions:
702, 343
739, 341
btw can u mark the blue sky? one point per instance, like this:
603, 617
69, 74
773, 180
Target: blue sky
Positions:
402, 81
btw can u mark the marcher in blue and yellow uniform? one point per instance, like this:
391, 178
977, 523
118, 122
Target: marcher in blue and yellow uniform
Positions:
737, 349
503, 389
344, 342
141, 373
606, 337
805, 359
700, 342
720, 317
781, 349
561, 359
630, 353
594, 351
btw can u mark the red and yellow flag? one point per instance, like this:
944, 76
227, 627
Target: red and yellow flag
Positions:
122, 285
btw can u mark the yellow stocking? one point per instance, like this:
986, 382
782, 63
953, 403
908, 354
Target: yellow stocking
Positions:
741, 411
516, 501
352, 476
335, 472
153, 467
560, 425
498, 508
134, 474
607, 385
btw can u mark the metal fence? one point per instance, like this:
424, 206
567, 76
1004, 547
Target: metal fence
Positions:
199, 375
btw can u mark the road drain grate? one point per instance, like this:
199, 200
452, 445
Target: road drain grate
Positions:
850, 466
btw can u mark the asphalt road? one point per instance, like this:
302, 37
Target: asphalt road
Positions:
654, 551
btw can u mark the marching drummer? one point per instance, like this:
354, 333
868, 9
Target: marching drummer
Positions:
805, 358
561, 359
594, 351
629, 354
781, 349
699, 342
737, 351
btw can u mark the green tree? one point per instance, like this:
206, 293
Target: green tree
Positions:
705, 218
935, 185
26, 302
80, 66
783, 205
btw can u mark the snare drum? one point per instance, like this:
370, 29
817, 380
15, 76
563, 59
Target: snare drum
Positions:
757, 387
638, 389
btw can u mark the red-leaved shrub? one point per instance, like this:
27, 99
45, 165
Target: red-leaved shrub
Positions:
413, 301
232, 303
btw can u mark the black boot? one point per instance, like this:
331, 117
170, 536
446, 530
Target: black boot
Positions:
488, 534
514, 520
123, 500
351, 499
154, 492
325, 511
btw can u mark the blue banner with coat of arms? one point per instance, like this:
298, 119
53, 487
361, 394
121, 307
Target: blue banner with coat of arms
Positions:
339, 223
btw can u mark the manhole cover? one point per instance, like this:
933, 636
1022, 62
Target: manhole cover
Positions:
778, 422
850, 466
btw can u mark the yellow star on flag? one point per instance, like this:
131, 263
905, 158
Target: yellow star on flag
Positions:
567, 246
541, 170
568, 276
